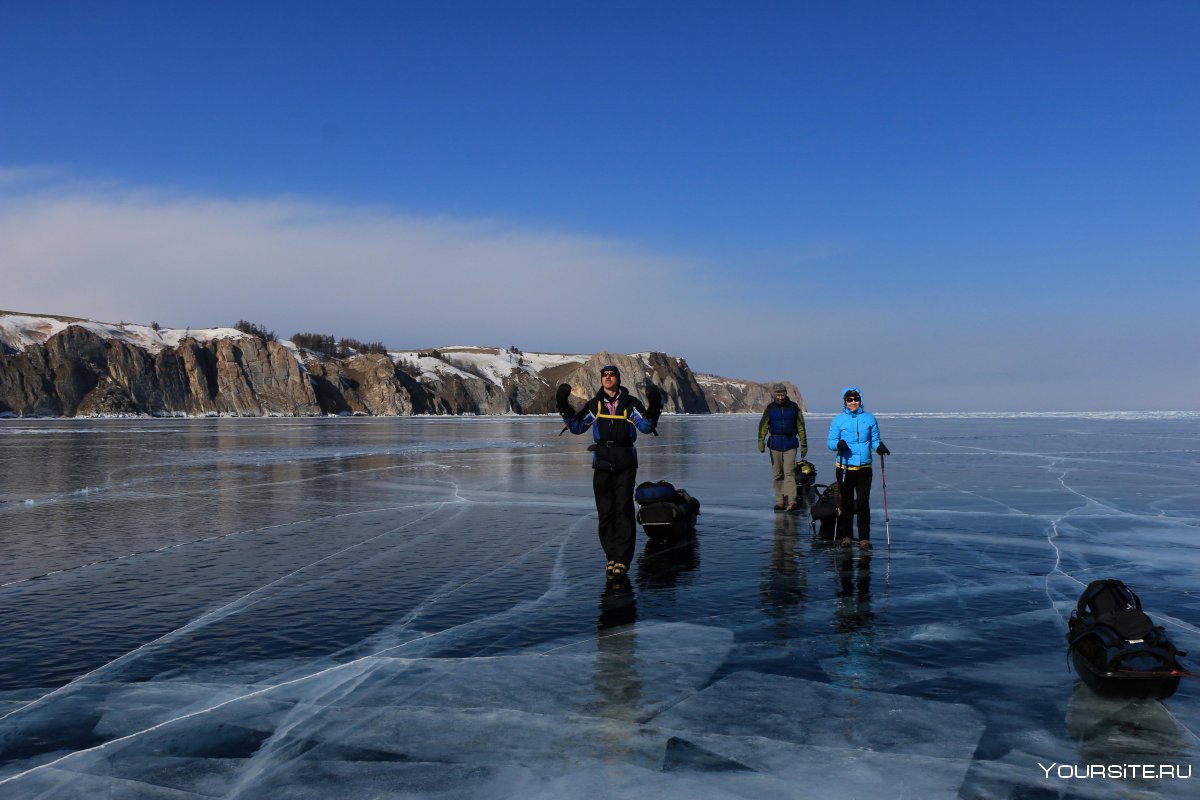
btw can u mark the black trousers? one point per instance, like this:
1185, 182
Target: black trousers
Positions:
856, 501
614, 506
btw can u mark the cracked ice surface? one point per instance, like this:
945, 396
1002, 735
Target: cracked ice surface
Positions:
415, 608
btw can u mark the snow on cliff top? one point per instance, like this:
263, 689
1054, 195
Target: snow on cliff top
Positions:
18, 331
491, 363
494, 364
704, 380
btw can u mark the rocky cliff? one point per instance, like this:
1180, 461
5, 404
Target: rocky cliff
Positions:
64, 367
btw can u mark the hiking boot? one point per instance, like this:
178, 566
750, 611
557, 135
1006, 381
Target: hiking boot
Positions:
864, 544
793, 507
779, 507
608, 570
846, 542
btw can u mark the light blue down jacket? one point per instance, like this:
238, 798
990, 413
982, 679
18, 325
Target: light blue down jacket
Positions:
859, 429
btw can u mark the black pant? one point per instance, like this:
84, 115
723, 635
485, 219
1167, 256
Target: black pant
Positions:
614, 505
856, 501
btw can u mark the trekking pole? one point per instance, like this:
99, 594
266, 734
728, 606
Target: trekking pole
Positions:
841, 482
841, 485
886, 523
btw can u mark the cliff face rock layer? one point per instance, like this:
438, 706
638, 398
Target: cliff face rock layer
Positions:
78, 372
89, 369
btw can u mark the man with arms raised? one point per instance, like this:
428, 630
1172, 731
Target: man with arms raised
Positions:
615, 417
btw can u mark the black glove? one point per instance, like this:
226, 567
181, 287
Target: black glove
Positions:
653, 401
653, 405
882, 450
843, 449
561, 402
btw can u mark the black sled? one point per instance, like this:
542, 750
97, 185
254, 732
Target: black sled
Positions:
1116, 649
666, 514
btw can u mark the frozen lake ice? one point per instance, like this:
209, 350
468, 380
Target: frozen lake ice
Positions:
416, 607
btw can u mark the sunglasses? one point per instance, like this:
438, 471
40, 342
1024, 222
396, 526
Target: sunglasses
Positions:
853, 399
608, 374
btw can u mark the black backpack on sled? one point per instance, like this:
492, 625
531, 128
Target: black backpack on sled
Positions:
666, 513
1117, 649
806, 479
825, 510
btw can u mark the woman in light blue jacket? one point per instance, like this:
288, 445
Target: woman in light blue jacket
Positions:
853, 434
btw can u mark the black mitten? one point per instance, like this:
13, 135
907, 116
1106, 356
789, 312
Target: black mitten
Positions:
561, 401
882, 450
653, 401
654, 406
843, 449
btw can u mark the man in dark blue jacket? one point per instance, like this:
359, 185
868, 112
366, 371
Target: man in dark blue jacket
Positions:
615, 417
781, 430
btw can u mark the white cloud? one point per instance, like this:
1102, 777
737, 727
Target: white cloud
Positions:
134, 254
26, 176
121, 254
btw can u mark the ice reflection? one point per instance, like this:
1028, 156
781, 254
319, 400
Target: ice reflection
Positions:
783, 584
664, 565
857, 663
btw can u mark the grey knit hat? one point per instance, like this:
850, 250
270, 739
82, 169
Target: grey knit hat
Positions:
779, 387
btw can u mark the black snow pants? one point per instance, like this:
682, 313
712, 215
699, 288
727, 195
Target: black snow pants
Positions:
856, 502
614, 505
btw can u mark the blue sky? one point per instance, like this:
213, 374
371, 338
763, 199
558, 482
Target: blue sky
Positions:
956, 206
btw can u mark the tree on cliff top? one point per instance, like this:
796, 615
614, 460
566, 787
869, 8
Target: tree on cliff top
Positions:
254, 330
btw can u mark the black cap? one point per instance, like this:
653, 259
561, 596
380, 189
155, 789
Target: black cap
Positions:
611, 368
